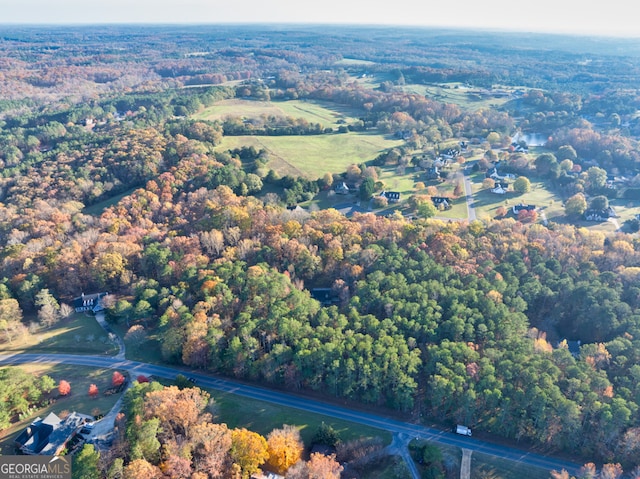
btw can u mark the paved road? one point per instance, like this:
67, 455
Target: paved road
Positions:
392, 425
468, 191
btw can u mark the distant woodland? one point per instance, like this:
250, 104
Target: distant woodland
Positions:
107, 183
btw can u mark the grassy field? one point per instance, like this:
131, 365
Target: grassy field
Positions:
78, 400
313, 156
78, 334
486, 203
263, 417
326, 113
97, 208
484, 466
464, 97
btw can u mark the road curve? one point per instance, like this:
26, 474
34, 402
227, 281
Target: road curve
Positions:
392, 425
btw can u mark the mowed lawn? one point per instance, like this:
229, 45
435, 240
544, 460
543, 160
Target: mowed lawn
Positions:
313, 156
264, 417
326, 113
78, 334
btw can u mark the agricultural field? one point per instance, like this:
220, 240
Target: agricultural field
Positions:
326, 113
313, 156
80, 378
463, 96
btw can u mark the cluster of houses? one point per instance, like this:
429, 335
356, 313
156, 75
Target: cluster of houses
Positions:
501, 181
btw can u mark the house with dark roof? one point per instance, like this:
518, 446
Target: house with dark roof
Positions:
342, 188
500, 188
522, 207
433, 173
49, 436
89, 302
441, 202
600, 215
391, 196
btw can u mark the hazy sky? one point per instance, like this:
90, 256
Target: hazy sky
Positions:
610, 17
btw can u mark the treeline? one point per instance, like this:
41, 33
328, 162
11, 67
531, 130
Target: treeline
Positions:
171, 432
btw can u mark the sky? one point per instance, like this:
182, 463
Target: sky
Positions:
608, 18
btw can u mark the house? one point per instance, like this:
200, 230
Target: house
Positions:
433, 173
522, 207
441, 202
391, 196
500, 188
89, 302
49, 436
450, 153
342, 188
600, 215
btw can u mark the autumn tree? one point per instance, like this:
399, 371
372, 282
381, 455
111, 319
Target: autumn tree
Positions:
93, 391
522, 185
210, 445
117, 379
64, 388
49, 311
10, 318
141, 469
576, 205
319, 466
284, 448
177, 409
249, 451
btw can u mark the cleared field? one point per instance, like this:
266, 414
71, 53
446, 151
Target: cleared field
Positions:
325, 113
79, 377
79, 334
313, 156
458, 94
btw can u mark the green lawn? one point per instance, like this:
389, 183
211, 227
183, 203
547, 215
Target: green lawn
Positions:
79, 377
78, 334
97, 208
263, 417
387, 467
457, 93
484, 466
313, 156
486, 203
326, 113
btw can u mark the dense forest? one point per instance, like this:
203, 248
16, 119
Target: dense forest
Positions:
469, 322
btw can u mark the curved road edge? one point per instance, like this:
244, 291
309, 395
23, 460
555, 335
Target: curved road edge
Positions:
309, 405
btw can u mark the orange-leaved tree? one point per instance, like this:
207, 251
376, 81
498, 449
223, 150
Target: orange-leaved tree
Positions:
93, 391
117, 379
64, 387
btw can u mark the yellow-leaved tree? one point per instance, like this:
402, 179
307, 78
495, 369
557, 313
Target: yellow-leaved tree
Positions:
285, 448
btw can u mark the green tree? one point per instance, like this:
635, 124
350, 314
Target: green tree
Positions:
522, 185
599, 203
576, 205
596, 179
85, 463
543, 163
566, 152
367, 188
